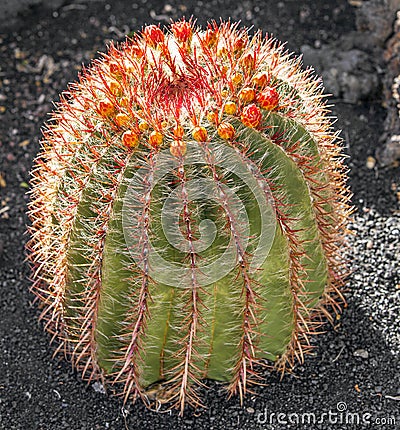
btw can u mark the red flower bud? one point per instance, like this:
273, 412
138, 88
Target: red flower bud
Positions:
260, 79
268, 99
130, 139
105, 108
251, 116
182, 31
115, 69
153, 35
238, 46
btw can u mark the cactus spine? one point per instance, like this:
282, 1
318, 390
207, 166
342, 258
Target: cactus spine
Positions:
188, 212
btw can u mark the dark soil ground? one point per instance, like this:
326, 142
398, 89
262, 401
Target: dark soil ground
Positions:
355, 367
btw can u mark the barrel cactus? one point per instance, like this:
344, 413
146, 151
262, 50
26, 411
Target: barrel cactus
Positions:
188, 213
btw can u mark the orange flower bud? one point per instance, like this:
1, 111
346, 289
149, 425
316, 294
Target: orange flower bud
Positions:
268, 99
200, 134
122, 119
130, 139
260, 79
178, 148
124, 102
247, 61
178, 131
230, 108
182, 31
115, 69
251, 116
136, 51
155, 138
105, 108
247, 95
238, 46
212, 117
143, 126
224, 93
237, 79
115, 88
226, 130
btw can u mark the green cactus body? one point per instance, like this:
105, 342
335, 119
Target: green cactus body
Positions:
187, 211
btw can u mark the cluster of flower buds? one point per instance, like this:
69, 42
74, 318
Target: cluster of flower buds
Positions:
153, 98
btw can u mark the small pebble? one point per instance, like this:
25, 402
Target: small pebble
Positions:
371, 162
3, 182
250, 410
98, 387
361, 353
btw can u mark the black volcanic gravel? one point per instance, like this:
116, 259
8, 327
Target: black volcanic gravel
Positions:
355, 367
